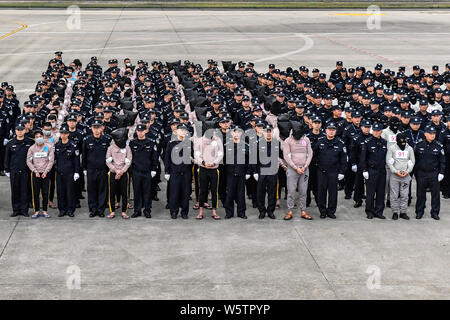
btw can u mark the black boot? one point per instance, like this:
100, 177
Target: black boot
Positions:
395, 216
404, 216
357, 204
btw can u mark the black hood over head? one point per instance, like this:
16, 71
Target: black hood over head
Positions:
401, 140
120, 137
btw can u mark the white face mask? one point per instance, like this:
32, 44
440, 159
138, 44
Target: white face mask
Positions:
40, 140
47, 133
53, 125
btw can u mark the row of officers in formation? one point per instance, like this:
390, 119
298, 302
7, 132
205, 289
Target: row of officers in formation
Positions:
225, 135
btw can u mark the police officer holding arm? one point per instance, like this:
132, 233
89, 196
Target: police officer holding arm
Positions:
429, 171
178, 171
144, 165
331, 166
373, 166
94, 166
67, 166
17, 170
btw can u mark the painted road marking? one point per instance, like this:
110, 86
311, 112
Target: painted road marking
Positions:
12, 32
356, 14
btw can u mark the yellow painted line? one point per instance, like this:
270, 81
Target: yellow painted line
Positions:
12, 32
356, 14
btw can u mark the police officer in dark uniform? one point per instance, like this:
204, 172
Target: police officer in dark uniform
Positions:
354, 158
265, 172
67, 166
76, 136
313, 136
144, 166
17, 170
350, 132
429, 171
373, 166
94, 166
178, 166
236, 155
445, 140
331, 165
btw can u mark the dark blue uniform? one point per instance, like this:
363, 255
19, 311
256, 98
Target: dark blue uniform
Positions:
350, 132
445, 184
312, 182
331, 161
180, 176
373, 160
94, 162
16, 164
430, 161
67, 163
236, 160
145, 160
354, 158
267, 169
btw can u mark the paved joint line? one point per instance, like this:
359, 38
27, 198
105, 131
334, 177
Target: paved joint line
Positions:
175, 31
315, 261
9, 238
14, 31
110, 34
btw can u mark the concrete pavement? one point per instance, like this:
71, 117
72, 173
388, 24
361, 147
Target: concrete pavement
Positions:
165, 259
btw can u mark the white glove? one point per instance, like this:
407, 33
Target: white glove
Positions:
5, 142
440, 177
85, 172
7, 174
167, 177
247, 176
366, 175
340, 177
76, 176
153, 173
256, 176
354, 168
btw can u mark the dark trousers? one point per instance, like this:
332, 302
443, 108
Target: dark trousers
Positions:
312, 184
208, 180
327, 184
376, 188
155, 181
235, 193
180, 191
222, 184
445, 184
359, 186
52, 184
142, 186
2, 155
39, 186
282, 182
196, 187
78, 188
97, 189
426, 180
251, 185
19, 191
349, 181
65, 187
267, 185
118, 188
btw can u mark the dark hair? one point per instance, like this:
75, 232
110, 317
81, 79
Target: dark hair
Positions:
77, 62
